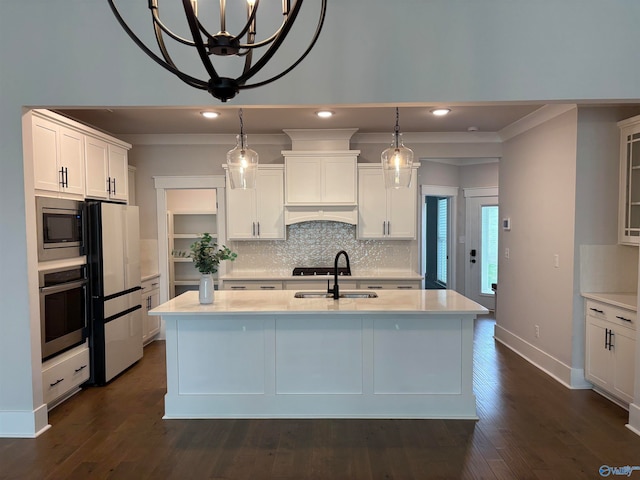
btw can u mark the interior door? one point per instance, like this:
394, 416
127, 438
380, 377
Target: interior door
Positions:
481, 270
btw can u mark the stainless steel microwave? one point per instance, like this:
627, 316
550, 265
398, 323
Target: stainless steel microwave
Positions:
61, 228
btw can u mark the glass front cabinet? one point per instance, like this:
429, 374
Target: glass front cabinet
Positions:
629, 203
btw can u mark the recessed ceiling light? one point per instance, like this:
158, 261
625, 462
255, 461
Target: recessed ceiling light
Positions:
210, 114
324, 113
439, 112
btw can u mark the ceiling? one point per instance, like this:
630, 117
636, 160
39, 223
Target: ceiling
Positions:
272, 120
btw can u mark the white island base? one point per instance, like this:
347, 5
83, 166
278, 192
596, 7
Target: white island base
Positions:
268, 355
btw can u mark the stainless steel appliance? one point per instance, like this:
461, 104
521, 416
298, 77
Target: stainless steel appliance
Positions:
63, 309
61, 228
114, 273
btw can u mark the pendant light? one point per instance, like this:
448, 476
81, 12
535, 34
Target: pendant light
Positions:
397, 161
242, 161
222, 48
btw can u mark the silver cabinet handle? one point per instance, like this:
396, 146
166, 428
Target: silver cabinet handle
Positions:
109, 185
238, 287
375, 287
253, 229
405, 287
388, 227
267, 287
258, 229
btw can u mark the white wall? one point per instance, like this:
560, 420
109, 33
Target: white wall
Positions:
73, 53
537, 191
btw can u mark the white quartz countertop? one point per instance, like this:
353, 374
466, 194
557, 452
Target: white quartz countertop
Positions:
627, 300
355, 275
283, 302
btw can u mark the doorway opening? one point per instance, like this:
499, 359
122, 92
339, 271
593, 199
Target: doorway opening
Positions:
438, 236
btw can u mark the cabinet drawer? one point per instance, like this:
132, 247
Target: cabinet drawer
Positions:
616, 315
252, 285
150, 285
389, 284
62, 374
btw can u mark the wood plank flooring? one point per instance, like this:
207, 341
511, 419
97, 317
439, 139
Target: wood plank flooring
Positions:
530, 427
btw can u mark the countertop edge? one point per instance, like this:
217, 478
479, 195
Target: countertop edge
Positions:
626, 300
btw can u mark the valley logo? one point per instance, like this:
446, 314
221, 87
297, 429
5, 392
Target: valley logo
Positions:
606, 470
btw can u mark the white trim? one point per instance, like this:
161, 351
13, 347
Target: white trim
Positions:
24, 423
164, 183
461, 162
429, 137
572, 378
540, 116
480, 192
452, 193
634, 418
203, 139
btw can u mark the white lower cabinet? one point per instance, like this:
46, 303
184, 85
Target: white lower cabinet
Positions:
251, 285
610, 349
63, 374
390, 284
150, 299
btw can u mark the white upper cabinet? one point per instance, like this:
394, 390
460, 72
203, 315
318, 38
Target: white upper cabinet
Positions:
257, 213
58, 157
629, 201
320, 178
76, 161
385, 213
107, 170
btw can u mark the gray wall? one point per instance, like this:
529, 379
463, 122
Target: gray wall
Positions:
73, 53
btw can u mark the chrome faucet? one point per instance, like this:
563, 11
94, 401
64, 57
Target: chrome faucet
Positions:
335, 290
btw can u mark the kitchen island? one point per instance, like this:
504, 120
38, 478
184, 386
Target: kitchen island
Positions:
267, 354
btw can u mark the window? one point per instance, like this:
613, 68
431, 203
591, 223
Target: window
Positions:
442, 241
489, 239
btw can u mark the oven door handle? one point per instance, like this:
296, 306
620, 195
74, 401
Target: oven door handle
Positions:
62, 287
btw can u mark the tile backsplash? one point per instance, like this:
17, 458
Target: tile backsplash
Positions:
312, 244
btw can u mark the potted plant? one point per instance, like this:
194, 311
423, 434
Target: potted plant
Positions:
207, 255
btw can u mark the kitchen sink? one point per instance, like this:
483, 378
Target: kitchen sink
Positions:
346, 294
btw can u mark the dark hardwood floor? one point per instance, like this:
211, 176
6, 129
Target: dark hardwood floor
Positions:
530, 427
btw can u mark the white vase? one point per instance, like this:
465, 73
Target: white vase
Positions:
206, 288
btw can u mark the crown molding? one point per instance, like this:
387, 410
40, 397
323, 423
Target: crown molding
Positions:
429, 137
540, 116
204, 139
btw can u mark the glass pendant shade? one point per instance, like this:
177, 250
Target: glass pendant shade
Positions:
242, 163
397, 161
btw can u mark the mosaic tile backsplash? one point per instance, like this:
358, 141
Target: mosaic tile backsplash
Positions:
313, 244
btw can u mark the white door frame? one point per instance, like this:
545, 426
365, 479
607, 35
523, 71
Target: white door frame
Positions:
164, 183
469, 193
452, 194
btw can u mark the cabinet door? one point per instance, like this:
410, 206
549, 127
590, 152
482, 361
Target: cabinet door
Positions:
304, 180
47, 175
270, 205
402, 211
153, 325
97, 168
624, 348
598, 357
118, 173
372, 204
71, 160
339, 180
241, 215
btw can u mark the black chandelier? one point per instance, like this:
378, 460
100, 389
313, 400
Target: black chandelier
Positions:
224, 44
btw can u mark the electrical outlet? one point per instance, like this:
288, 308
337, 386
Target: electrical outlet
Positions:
506, 252
537, 331
556, 260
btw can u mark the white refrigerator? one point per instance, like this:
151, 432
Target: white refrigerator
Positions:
115, 286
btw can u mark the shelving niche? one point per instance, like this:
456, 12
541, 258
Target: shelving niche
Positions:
190, 213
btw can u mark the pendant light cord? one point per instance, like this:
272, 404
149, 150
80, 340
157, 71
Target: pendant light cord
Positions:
397, 129
241, 129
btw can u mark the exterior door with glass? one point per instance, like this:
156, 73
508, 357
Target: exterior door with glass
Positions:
482, 222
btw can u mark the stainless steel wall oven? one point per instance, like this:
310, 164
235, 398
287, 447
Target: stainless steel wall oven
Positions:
63, 309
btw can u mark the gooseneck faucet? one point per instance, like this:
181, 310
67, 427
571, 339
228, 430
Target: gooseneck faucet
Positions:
335, 290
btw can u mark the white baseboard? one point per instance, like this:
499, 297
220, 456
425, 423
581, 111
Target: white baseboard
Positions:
572, 378
634, 418
24, 423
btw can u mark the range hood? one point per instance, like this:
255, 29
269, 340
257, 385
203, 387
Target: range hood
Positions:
321, 176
